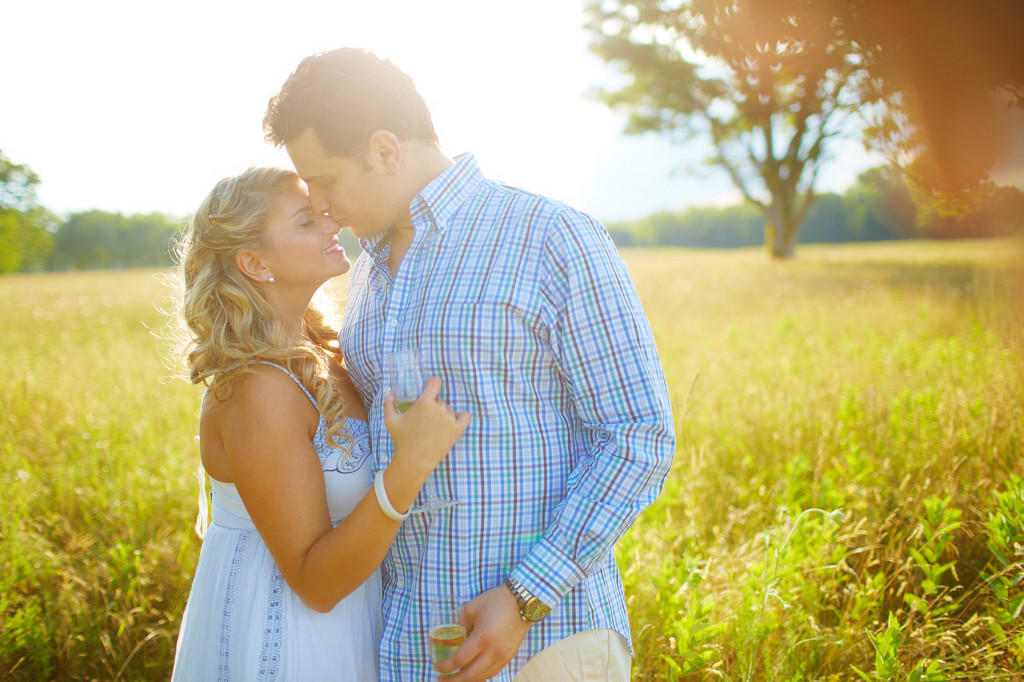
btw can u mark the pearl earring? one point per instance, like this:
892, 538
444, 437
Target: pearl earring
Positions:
271, 279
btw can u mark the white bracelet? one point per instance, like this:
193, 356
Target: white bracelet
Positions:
383, 501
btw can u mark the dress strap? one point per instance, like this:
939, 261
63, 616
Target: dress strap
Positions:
283, 369
296, 380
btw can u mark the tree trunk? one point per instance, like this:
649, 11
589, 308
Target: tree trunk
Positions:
780, 231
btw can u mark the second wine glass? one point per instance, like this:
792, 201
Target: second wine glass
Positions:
406, 377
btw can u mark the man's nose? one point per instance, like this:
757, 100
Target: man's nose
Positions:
318, 202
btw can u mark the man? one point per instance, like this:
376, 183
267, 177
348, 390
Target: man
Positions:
523, 308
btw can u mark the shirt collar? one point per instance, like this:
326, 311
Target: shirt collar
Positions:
373, 246
445, 194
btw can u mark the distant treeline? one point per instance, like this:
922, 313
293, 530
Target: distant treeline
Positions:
99, 239
38, 240
875, 208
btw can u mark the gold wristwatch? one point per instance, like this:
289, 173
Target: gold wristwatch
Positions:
531, 609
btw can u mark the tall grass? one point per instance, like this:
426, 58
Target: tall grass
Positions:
842, 504
884, 382
97, 502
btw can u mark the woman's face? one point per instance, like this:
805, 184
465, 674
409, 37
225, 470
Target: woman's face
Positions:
301, 248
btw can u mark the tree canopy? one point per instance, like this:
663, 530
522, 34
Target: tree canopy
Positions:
769, 88
769, 81
938, 71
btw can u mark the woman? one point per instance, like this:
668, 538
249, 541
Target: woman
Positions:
287, 585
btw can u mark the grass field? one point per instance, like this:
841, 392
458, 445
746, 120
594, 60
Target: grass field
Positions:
845, 504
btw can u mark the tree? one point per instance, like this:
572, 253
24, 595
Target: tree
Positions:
769, 86
935, 68
25, 241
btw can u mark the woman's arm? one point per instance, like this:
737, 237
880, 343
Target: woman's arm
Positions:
265, 430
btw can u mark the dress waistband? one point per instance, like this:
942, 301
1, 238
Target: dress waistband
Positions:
227, 508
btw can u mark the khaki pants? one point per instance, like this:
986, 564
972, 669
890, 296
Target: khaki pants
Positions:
589, 656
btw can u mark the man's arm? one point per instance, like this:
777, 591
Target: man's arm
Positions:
608, 361
607, 358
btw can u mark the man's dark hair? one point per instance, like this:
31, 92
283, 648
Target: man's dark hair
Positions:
344, 96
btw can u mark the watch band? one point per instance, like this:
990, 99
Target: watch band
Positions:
531, 609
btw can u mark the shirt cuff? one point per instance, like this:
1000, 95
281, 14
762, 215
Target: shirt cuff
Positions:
548, 573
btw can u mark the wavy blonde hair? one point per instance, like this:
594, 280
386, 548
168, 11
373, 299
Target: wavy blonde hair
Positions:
225, 324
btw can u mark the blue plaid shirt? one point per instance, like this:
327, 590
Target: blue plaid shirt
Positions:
524, 309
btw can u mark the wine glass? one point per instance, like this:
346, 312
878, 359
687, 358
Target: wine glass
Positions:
445, 633
406, 377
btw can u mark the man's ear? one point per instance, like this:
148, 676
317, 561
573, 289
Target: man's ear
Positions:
385, 150
251, 265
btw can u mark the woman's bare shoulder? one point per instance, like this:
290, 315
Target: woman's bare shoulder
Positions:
265, 397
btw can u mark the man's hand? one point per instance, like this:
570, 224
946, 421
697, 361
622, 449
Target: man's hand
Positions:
495, 631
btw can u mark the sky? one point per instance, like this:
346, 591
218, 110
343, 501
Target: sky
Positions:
138, 106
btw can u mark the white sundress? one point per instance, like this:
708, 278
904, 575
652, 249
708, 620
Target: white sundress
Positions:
243, 622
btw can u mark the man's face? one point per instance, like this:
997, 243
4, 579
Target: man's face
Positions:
351, 190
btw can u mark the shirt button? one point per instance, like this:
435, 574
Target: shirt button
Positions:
392, 323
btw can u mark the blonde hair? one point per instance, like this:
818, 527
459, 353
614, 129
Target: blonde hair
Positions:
225, 323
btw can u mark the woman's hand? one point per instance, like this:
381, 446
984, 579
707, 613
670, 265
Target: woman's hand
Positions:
424, 433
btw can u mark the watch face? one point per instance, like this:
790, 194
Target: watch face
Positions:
535, 609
